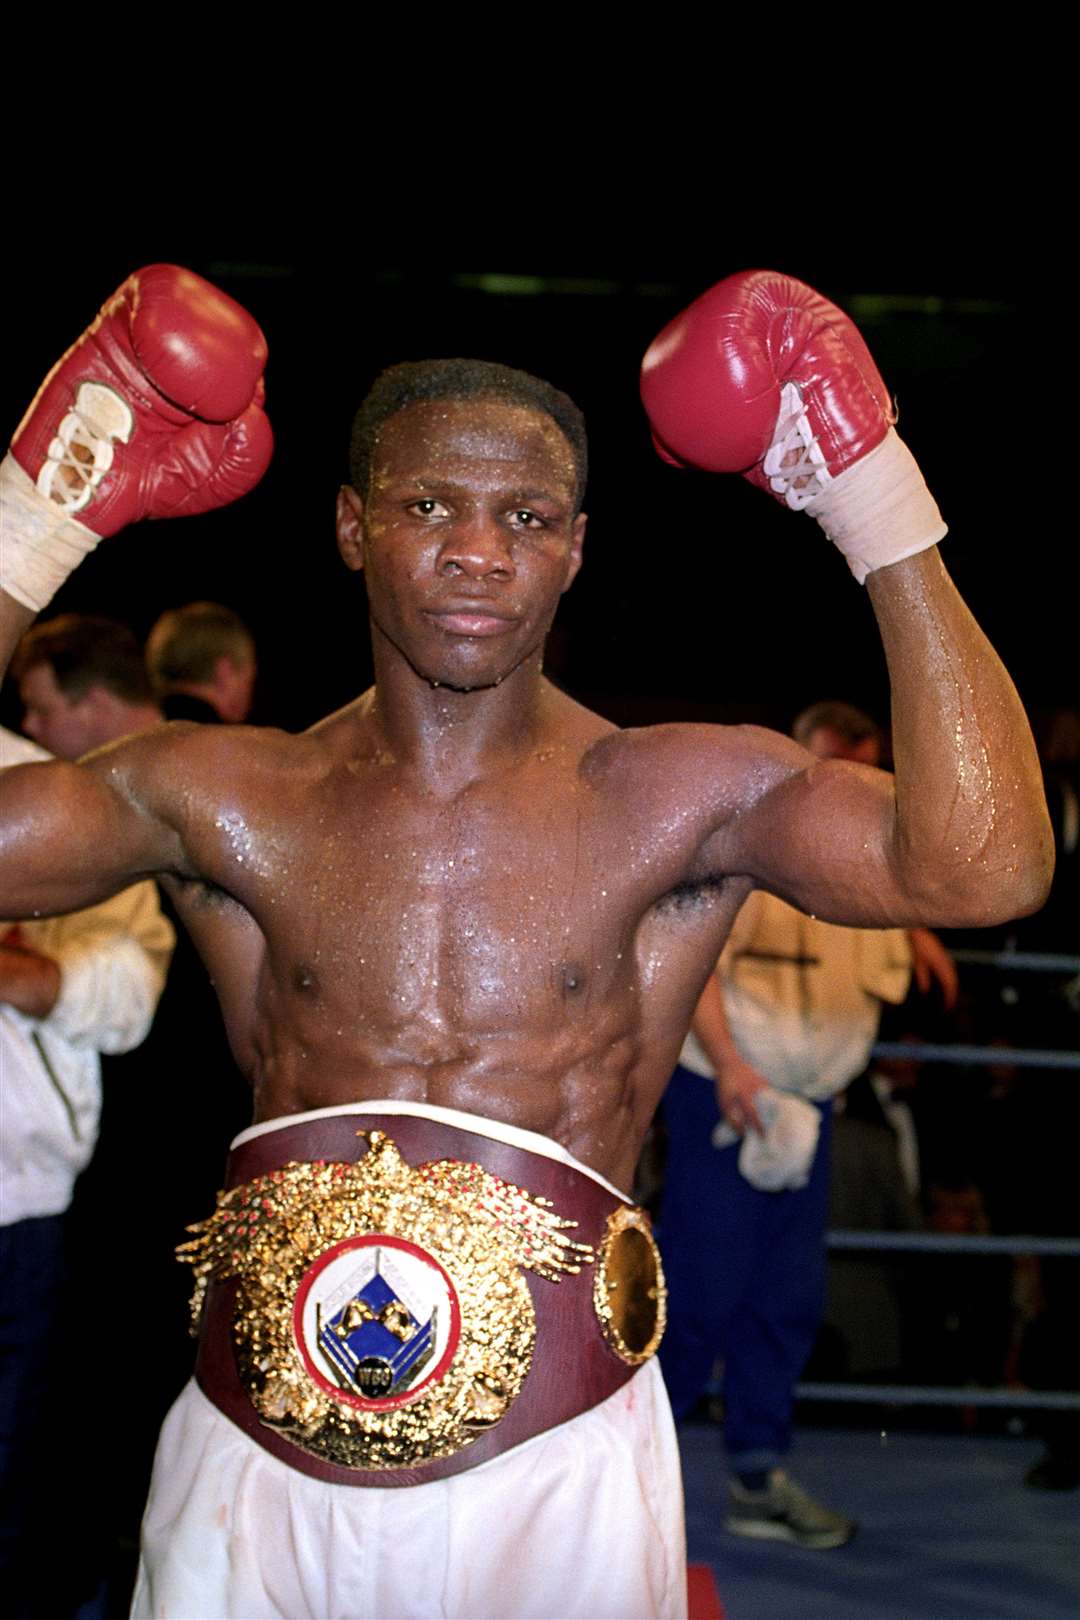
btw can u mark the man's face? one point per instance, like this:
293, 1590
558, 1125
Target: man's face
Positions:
467, 537
67, 727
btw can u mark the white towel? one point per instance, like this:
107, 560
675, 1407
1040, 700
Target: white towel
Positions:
779, 1158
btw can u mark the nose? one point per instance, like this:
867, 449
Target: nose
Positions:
478, 549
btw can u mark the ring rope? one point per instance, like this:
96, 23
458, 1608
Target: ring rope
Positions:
1052, 1400
952, 1243
1016, 1057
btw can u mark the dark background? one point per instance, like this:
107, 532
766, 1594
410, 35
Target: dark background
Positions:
699, 596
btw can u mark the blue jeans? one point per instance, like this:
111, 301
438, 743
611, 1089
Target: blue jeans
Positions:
746, 1277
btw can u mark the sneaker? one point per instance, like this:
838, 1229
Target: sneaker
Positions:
784, 1512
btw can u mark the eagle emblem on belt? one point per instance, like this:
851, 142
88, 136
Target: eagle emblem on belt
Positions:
382, 1314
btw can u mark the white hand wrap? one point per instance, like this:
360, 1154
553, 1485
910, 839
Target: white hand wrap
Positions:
880, 510
877, 512
39, 546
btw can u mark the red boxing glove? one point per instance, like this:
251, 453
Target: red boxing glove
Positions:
764, 377
156, 411
712, 381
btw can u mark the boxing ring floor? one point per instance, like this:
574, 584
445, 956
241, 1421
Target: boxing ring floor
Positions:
947, 1531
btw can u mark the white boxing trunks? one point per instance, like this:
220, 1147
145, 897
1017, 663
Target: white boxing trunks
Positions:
584, 1518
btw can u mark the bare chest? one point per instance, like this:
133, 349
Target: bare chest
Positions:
528, 935
474, 909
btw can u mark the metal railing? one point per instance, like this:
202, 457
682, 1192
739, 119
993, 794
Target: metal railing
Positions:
1012, 1399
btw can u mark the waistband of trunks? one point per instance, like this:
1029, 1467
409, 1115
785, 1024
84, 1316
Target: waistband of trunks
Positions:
573, 1366
422, 1131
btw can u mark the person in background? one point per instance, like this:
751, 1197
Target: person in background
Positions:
71, 988
201, 659
82, 683
785, 1022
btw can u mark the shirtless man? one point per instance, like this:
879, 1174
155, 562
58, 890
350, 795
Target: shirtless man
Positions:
486, 915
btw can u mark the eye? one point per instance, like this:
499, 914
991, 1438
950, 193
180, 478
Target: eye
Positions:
525, 518
428, 508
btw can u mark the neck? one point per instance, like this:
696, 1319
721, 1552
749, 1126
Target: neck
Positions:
449, 736
203, 690
126, 719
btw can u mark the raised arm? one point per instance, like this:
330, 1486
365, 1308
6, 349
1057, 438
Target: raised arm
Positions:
764, 377
156, 411
72, 835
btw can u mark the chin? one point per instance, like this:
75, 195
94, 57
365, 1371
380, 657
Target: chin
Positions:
469, 675
459, 680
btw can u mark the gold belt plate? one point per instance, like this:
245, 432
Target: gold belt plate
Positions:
382, 1319
629, 1293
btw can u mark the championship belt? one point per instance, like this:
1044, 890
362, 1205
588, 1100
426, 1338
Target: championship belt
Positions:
374, 1314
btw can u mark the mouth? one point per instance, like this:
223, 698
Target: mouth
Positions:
471, 621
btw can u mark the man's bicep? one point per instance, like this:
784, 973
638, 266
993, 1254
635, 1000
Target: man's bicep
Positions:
69, 839
824, 839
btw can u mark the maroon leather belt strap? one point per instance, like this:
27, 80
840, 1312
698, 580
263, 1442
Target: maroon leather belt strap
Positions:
572, 1367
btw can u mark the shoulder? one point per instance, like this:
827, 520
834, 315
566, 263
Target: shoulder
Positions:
724, 767
182, 773
170, 752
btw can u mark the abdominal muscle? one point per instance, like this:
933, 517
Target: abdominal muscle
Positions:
581, 1093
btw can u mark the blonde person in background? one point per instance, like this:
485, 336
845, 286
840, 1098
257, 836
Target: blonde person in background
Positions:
785, 1022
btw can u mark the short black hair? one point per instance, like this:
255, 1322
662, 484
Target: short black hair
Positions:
415, 381
84, 651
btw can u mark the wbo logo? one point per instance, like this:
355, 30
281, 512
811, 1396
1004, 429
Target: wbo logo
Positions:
376, 1319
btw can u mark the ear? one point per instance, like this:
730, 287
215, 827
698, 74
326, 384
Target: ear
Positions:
350, 527
577, 542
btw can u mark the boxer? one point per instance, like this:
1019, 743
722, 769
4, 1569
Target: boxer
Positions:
458, 930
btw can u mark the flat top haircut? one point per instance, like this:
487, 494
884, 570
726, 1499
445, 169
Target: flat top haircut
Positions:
186, 643
416, 381
843, 718
83, 652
